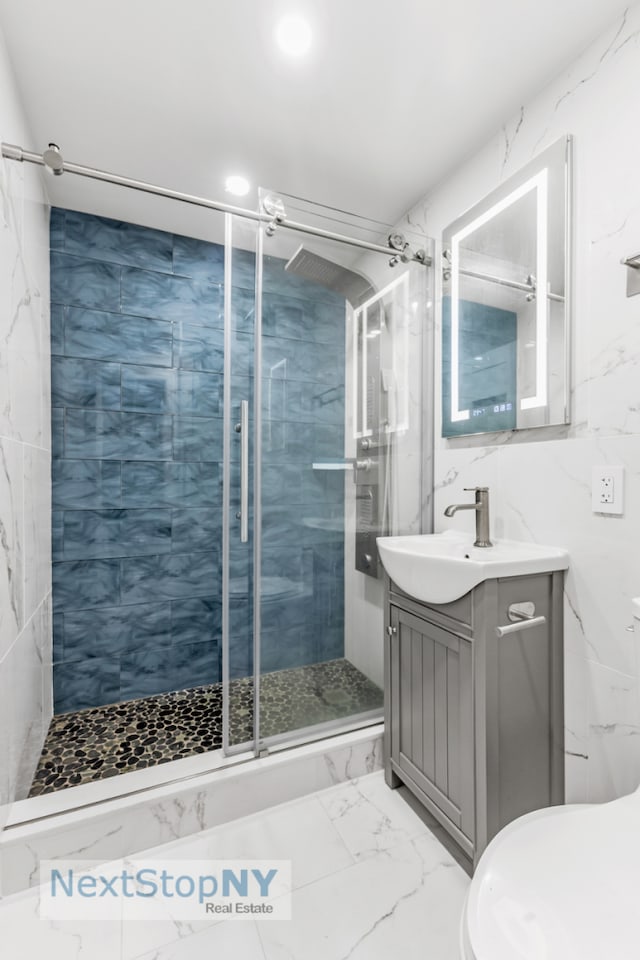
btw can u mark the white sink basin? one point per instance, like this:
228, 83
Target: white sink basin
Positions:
441, 567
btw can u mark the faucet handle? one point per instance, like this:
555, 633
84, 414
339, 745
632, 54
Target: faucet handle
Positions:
476, 489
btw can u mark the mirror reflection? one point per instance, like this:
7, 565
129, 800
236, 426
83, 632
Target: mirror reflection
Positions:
505, 317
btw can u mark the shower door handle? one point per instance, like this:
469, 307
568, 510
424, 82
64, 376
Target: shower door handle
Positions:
244, 471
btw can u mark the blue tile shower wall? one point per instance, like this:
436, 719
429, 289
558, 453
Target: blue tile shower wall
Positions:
137, 345
488, 362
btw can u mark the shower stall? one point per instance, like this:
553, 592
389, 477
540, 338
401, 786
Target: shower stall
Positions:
236, 415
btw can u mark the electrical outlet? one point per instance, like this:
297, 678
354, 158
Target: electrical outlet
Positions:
607, 490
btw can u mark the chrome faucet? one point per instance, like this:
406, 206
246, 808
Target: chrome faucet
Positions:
481, 506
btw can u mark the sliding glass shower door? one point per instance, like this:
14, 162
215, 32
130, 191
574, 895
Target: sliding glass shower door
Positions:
324, 435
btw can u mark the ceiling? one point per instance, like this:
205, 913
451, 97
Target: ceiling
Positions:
393, 94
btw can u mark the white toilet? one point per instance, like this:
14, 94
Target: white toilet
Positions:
559, 884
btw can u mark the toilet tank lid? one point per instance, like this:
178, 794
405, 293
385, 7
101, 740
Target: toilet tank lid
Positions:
635, 607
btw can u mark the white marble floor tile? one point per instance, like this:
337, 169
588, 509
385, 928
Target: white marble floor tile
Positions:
30, 929
369, 817
369, 881
233, 939
405, 902
300, 831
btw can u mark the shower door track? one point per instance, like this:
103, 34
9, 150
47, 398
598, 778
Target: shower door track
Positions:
11, 151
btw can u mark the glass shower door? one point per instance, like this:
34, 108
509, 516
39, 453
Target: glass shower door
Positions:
238, 580
323, 452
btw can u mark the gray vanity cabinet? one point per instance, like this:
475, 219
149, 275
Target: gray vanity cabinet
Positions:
474, 721
432, 722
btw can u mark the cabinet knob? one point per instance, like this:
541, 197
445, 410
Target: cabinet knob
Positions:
392, 630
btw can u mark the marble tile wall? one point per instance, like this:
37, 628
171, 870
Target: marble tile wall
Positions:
25, 458
540, 480
137, 406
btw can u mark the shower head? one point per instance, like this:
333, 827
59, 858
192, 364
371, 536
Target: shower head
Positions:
349, 284
53, 160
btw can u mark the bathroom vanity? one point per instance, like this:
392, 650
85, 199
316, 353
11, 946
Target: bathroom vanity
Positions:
474, 701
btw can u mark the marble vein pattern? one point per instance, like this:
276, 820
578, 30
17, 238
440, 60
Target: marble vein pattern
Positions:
540, 480
25, 456
406, 898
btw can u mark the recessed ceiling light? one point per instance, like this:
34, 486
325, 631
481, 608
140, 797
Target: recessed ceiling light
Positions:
237, 185
293, 34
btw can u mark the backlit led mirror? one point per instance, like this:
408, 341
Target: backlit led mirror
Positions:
505, 307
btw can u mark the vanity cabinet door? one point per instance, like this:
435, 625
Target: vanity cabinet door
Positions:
432, 714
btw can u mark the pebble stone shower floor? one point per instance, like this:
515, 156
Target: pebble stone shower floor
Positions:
99, 742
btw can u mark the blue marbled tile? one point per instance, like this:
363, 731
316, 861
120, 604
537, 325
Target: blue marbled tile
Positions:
323, 524
145, 673
240, 561
98, 335
57, 535
196, 619
328, 585
111, 240
331, 643
145, 579
282, 483
283, 524
198, 259
240, 639
282, 648
198, 394
149, 389
149, 484
114, 630
85, 484
292, 442
57, 432
196, 438
85, 683
106, 435
198, 348
242, 364
57, 328
285, 283
289, 611
56, 228
302, 318
84, 283
165, 297
243, 269
195, 664
58, 637
92, 534
243, 310
195, 530
291, 563
323, 486
300, 360
85, 383
83, 584
241, 582
310, 403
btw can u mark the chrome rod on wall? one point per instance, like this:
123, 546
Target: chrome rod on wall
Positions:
13, 152
514, 284
527, 287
